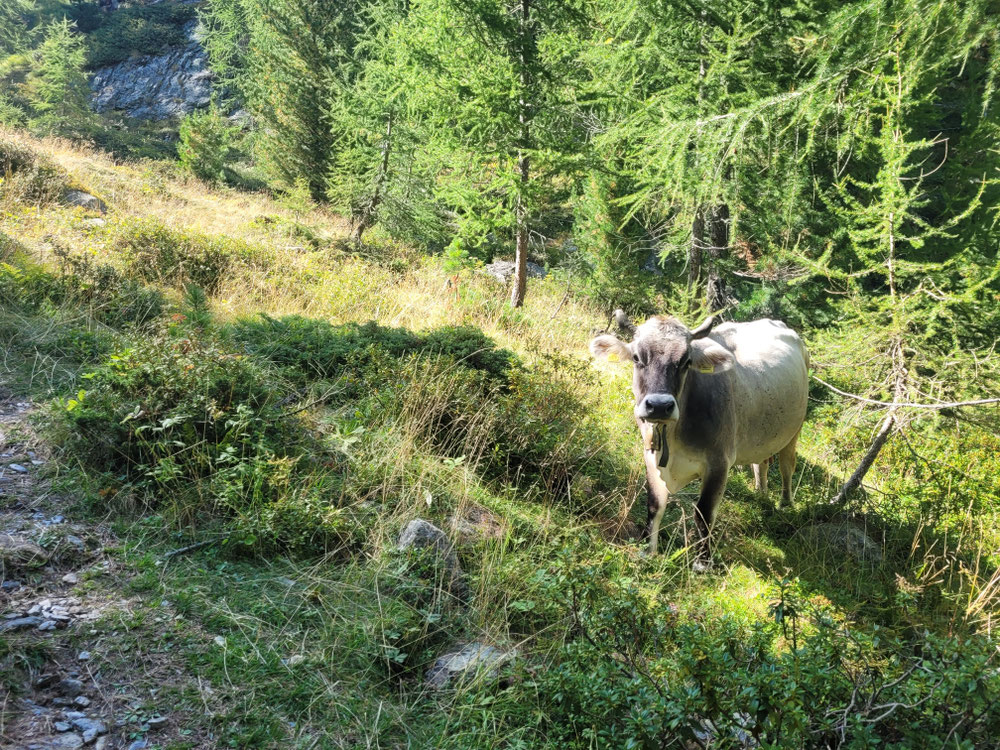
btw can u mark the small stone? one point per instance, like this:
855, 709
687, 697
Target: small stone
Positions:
18, 468
75, 541
82, 701
138, 745
45, 680
84, 656
70, 687
47, 625
75, 715
102, 743
36, 462
20, 623
295, 659
219, 641
10, 585
68, 741
91, 728
421, 534
62, 726
58, 519
156, 722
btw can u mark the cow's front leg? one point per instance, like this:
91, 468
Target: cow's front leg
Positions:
656, 502
713, 485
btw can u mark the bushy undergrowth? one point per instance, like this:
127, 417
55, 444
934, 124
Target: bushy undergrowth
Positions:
204, 432
153, 252
27, 176
102, 291
641, 673
311, 348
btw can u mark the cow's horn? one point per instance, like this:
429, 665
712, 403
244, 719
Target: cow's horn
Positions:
704, 329
622, 321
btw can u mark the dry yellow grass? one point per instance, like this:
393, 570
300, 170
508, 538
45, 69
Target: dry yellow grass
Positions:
328, 283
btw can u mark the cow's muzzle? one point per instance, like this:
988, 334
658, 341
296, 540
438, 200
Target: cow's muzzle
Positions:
657, 407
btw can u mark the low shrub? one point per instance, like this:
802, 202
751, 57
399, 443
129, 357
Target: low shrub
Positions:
470, 347
308, 348
155, 253
175, 410
27, 176
639, 673
311, 348
204, 434
111, 297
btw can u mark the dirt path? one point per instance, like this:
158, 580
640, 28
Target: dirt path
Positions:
54, 694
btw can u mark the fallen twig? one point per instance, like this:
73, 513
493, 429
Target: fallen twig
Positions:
191, 548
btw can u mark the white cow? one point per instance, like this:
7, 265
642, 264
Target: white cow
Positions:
708, 399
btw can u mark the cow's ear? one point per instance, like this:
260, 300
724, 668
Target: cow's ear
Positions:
609, 347
710, 358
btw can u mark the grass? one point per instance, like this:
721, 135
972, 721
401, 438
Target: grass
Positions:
301, 626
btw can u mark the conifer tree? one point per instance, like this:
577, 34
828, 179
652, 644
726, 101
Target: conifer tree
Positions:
58, 89
13, 25
490, 74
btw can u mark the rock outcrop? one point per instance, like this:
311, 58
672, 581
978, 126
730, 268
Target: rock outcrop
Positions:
157, 87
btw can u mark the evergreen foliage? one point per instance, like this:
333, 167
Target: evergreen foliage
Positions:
58, 88
206, 143
14, 16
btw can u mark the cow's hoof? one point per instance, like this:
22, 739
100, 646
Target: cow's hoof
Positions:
702, 566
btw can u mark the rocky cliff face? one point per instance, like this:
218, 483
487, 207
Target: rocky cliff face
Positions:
156, 87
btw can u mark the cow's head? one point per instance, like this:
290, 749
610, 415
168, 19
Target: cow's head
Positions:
663, 352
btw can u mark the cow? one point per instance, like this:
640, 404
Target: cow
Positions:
709, 399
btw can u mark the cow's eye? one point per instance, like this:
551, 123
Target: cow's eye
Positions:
638, 362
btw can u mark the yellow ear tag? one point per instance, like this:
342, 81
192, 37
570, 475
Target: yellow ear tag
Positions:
612, 357
707, 369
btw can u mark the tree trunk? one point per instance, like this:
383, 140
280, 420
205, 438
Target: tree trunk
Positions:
369, 211
716, 294
889, 425
523, 161
695, 253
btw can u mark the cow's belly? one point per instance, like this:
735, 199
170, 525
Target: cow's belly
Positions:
757, 450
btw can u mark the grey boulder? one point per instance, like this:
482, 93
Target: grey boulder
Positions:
503, 270
85, 201
472, 661
419, 534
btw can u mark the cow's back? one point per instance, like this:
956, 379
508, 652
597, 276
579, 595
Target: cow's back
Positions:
769, 387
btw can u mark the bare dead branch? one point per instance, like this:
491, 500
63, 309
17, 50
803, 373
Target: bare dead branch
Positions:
907, 404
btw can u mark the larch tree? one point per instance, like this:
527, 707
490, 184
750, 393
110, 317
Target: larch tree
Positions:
58, 89
488, 76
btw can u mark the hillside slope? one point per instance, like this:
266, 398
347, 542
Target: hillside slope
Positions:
239, 412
